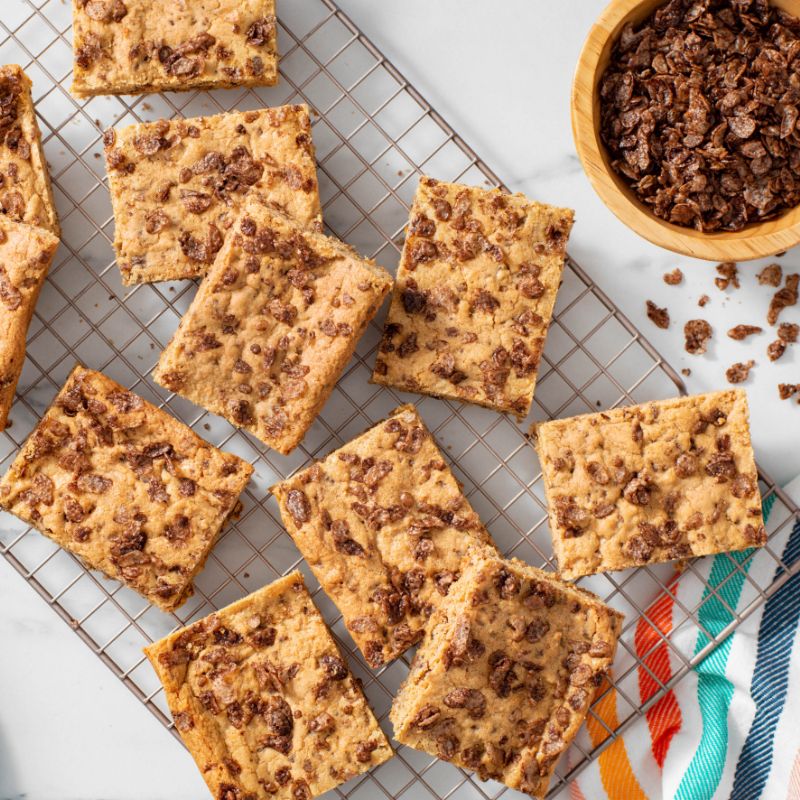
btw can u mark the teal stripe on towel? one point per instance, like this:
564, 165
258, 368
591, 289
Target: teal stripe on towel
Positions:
714, 690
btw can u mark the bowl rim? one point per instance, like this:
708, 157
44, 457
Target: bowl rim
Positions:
757, 240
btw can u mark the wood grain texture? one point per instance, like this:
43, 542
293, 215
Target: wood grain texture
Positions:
754, 241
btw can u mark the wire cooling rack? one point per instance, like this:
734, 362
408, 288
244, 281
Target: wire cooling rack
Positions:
374, 135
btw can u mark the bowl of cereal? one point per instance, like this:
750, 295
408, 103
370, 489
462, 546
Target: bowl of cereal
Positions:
686, 118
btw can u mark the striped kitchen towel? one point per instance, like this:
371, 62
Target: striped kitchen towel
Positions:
730, 728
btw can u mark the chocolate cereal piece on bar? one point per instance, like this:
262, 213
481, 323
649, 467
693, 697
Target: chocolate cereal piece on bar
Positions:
505, 675
264, 701
25, 191
25, 256
127, 488
474, 296
383, 524
178, 185
657, 482
139, 46
273, 325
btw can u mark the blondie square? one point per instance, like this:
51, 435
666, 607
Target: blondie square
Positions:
272, 326
25, 191
139, 46
656, 482
506, 672
125, 487
264, 701
178, 185
474, 296
384, 525
25, 256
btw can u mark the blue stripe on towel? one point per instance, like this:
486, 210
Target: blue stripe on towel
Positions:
770, 679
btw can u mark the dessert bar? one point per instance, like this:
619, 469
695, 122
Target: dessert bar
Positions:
272, 326
474, 296
127, 488
657, 482
383, 524
264, 701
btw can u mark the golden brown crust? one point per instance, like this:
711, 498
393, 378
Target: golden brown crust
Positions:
662, 481
384, 525
25, 256
272, 326
25, 191
124, 486
505, 675
136, 46
474, 296
264, 701
178, 185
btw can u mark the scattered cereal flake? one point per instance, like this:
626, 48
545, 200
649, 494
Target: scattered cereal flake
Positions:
673, 278
728, 274
658, 316
697, 333
739, 372
783, 298
776, 349
786, 390
686, 372
743, 331
771, 275
788, 332
703, 300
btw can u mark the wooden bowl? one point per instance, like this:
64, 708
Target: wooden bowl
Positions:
754, 241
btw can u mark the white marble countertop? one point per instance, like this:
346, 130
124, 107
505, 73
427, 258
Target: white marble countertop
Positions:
68, 728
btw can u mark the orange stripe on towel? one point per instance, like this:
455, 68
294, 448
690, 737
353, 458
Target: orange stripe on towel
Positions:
664, 717
616, 771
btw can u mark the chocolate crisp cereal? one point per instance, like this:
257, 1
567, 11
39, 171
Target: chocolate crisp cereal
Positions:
728, 275
783, 298
697, 333
775, 350
788, 332
673, 278
658, 316
743, 331
699, 110
739, 372
771, 275
787, 390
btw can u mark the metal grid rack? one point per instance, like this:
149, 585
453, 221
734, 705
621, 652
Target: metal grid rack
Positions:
374, 135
